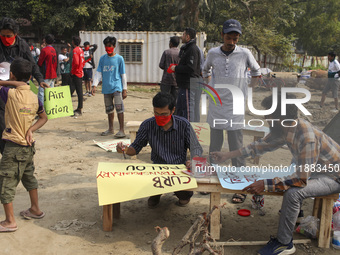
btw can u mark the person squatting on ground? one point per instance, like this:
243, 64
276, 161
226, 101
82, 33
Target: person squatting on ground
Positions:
170, 56
227, 64
12, 46
158, 131
187, 68
16, 164
77, 73
332, 81
111, 71
316, 156
89, 65
65, 65
48, 63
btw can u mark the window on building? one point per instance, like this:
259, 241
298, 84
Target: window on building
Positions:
131, 52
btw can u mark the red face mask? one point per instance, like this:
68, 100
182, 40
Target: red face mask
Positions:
87, 48
163, 120
109, 50
7, 41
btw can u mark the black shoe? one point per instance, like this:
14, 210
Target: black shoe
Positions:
153, 201
76, 113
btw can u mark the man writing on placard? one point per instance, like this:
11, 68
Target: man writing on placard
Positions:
170, 137
317, 158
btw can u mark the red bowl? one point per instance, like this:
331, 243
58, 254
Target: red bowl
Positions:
243, 212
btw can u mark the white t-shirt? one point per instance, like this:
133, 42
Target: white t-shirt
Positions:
333, 67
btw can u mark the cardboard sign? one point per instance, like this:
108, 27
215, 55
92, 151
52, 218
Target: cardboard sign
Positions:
202, 131
33, 88
58, 102
237, 178
111, 145
119, 182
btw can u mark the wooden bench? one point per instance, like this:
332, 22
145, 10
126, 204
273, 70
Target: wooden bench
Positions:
322, 208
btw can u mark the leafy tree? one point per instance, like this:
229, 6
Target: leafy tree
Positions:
319, 26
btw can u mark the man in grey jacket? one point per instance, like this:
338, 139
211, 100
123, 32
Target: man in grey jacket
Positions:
228, 64
170, 56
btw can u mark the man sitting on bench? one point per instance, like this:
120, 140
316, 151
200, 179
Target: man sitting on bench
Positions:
317, 172
170, 136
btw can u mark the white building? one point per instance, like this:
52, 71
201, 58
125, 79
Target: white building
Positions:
142, 51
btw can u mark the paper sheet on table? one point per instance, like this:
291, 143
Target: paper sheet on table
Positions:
237, 178
111, 145
119, 182
202, 131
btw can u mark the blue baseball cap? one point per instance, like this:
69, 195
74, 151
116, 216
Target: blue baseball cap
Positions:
232, 25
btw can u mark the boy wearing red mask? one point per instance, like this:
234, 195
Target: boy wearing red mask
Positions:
111, 70
170, 136
89, 65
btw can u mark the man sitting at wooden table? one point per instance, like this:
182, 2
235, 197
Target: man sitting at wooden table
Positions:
170, 136
317, 159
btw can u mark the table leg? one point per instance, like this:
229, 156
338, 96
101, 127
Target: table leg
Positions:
325, 223
215, 220
107, 217
133, 134
116, 211
257, 158
316, 207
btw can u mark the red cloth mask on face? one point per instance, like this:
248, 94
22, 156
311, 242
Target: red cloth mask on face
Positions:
87, 48
7, 41
109, 50
163, 120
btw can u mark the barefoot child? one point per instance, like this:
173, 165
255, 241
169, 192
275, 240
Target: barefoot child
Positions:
16, 164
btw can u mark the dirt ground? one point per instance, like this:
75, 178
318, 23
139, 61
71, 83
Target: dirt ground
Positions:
66, 163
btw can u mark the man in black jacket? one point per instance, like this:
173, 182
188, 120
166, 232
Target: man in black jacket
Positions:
12, 46
187, 68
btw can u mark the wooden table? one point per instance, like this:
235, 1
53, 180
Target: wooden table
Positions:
322, 208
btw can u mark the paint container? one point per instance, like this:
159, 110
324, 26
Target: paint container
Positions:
336, 240
199, 168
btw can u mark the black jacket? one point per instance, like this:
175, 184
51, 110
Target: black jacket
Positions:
189, 64
20, 49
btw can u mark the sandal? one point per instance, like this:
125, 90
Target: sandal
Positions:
107, 132
120, 134
238, 198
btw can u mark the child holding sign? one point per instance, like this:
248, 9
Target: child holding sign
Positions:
21, 106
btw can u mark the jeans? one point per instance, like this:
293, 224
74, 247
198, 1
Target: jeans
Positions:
292, 200
41, 92
77, 85
188, 104
172, 90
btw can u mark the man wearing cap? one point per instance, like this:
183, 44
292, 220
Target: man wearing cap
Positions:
228, 64
12, 46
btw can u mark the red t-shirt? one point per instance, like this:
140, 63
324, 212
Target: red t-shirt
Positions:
48, 61
78, 62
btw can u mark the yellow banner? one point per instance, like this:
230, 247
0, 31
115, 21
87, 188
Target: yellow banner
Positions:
119, 182
202, 131
58, 102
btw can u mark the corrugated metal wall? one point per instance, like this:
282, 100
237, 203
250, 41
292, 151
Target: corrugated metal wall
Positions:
154, 43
